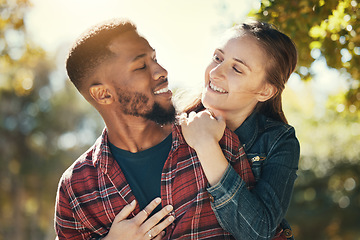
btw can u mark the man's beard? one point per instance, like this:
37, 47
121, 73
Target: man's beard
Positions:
136, 104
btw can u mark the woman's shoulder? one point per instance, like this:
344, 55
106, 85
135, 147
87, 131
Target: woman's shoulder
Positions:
276, 131
267, 124
278, 135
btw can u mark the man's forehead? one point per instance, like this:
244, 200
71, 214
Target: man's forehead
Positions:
130, 42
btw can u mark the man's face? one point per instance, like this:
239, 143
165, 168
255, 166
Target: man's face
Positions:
139, 82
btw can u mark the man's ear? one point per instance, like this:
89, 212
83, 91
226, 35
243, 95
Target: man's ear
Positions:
267, 92
101, 94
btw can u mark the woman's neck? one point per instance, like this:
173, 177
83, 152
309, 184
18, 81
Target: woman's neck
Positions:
233, 119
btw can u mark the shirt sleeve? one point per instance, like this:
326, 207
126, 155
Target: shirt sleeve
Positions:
66, 226
256, 213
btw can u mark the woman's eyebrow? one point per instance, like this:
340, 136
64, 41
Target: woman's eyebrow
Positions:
237, 60
243, 63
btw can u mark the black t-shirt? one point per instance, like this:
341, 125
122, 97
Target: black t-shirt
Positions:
143, 170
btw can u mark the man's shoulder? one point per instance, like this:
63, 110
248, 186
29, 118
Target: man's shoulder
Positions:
87, 163
230, 137
81, 167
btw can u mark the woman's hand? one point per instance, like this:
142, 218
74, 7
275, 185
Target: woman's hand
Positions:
140, 227
202, 131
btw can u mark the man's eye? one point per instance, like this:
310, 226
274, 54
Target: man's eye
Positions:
141, 68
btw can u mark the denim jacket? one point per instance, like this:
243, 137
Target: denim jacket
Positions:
274, 150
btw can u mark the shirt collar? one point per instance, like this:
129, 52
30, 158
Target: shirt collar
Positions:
102, 156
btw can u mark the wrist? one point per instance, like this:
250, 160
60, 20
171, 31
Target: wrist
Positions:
213, 163
205, 146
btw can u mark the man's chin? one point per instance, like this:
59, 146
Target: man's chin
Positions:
160, 115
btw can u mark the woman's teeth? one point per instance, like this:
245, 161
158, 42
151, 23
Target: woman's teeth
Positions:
217, 89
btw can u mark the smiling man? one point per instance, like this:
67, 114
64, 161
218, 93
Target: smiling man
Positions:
140, 180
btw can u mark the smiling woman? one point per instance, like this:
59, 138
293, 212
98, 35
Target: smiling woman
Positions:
243, 86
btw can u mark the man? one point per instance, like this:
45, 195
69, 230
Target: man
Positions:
141, 155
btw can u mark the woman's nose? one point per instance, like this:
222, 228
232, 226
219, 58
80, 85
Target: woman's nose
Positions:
217, 72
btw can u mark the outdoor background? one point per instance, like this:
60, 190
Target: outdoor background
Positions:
45, 124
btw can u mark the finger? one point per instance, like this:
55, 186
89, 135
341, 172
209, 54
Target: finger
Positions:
210, 112
156, 218
143, 215
125, 212
192, 115
162, 225
182, 119
159, 236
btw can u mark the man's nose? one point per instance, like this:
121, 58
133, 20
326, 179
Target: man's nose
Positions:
159, 72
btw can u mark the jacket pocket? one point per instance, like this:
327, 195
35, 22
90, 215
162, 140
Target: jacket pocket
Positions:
256, 162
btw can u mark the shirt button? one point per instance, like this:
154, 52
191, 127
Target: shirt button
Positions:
288, 233
211, 198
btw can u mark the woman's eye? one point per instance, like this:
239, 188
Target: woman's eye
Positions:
236, 70
216, 59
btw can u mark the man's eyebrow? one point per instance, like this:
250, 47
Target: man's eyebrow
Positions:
237, 60
141, 56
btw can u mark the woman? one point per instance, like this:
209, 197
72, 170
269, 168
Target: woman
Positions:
243, 86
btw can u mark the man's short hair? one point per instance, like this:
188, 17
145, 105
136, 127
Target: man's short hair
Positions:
91, 49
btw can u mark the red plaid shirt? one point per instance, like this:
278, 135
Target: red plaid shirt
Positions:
94, 189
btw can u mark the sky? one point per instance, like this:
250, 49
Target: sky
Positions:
183, 32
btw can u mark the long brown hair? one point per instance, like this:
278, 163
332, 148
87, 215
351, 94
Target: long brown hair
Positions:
282, 55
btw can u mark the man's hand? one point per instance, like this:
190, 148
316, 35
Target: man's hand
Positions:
139, 227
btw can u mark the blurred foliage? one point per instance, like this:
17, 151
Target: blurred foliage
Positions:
326, 198
45, 124
321, 29
43, 127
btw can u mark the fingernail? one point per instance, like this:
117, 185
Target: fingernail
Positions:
158, 200
169, 208
163, 233
171, 218
133, 202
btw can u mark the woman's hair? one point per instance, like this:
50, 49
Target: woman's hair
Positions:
282, 59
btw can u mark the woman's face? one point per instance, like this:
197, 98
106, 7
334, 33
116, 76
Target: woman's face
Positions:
235, 78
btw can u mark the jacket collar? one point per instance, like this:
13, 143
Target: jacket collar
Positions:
248, 130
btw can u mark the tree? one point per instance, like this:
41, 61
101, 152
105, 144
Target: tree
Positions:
43, 128
321, 29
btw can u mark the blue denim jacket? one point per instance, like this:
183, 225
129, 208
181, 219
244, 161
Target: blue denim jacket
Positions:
274, 151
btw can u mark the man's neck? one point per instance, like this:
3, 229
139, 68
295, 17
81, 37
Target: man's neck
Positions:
138, 135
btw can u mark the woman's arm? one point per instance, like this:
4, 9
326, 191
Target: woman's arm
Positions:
203, 132
248, 214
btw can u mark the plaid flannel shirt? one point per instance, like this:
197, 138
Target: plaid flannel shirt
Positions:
94, 189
